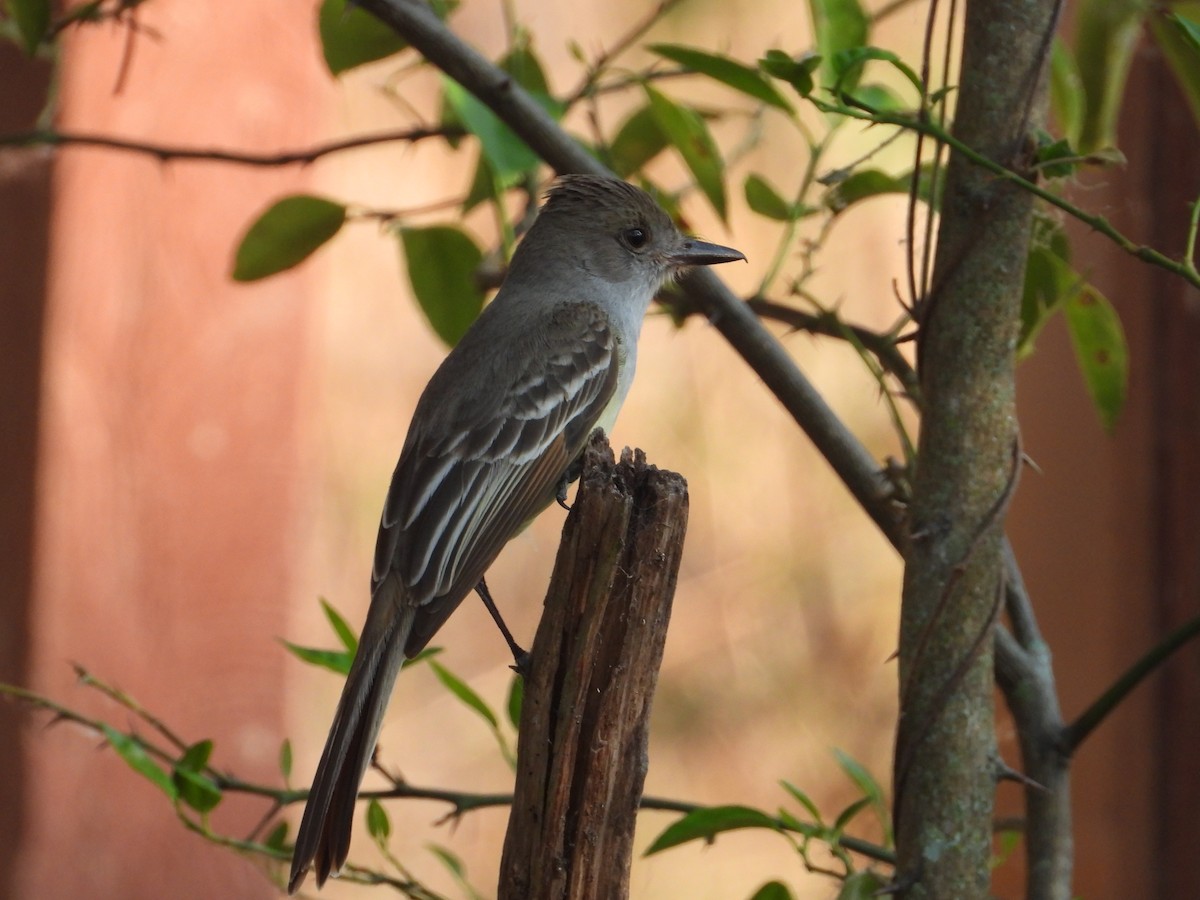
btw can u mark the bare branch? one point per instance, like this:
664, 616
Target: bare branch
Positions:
1091, 717
882, 346
169, 152
623, 43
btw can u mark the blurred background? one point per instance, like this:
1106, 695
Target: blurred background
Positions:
191, 463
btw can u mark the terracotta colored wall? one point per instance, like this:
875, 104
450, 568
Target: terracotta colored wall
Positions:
25, 189
1107, 535
171, 445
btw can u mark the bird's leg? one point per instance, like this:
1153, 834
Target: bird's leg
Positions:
574, 470
520, 657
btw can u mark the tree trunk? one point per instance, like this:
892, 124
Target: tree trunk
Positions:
582, 757
967, 463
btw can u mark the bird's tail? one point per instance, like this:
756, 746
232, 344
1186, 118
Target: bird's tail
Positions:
323, 841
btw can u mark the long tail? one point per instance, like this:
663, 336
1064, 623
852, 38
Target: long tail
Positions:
323, 841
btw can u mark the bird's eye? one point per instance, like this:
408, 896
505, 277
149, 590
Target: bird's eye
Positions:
636, 237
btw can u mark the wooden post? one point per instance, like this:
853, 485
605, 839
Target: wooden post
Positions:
582, 757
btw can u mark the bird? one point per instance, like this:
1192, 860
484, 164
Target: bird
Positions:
495, 437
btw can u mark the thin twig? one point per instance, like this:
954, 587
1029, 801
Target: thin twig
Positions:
882, 346
1097, 223
1189, 250
460, 801
1091, 717
169, 152
118, 696
1017, 603
623, 43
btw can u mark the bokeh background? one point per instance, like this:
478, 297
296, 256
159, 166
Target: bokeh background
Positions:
192, 463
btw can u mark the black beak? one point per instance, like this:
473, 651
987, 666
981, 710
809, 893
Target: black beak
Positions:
701, 253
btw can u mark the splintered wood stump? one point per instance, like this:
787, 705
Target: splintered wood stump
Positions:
582, 758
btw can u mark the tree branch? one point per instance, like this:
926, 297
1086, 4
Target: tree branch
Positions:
1077, 732
882, 346
623, 43
461, 802
171, 152
1097, 223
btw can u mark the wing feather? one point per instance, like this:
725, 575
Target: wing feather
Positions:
476, 468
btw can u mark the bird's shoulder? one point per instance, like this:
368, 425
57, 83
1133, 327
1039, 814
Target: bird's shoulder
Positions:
520, 367
491, 438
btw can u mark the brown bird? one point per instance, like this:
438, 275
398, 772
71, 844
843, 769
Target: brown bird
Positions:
492, 442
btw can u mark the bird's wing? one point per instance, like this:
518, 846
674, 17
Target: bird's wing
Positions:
468, 482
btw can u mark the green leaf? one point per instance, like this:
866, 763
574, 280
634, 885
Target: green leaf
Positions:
1066, 91
277, 839
378, 825
706, 824
443, 8
872, 794
791, 823
463, 692
457, 870
508, 154
798, 72
130, 749
1106, 36
442, 262
351, 36
763, 199
33, 21
688, 134
839, 25
483, 185
638, 141
1009, 839
426, 654
338, 661
728, 71
285, 759
1049, 281
857, 773
195, 757
196, 789
848, 66
453, 864
804, 800
523, 65
847, 815
772, 890
285, 235
340, 626
864, 184
1099, 342
865, 885
1179, 39
516, 699
1055, 158
876, 98
1188, 28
